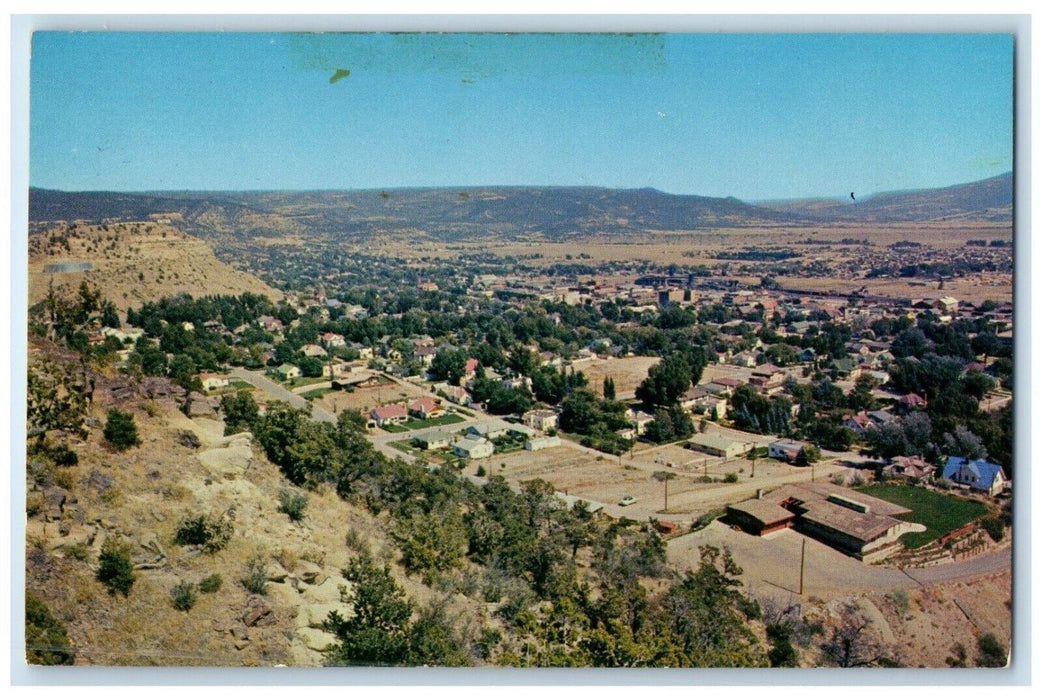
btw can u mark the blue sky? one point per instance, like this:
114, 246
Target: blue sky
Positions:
754, 116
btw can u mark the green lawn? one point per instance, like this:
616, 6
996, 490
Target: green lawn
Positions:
404, 446
939, 512
317, 393
417, 424
303, 381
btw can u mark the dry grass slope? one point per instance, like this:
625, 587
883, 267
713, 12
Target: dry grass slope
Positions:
134, 262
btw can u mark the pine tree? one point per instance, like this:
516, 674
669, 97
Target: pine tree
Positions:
121, 430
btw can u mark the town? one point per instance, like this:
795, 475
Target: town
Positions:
720, 400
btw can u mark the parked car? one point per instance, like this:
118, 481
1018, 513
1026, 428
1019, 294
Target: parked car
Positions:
627, 501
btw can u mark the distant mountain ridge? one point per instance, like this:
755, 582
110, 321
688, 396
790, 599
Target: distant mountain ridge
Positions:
466, 212
985, 200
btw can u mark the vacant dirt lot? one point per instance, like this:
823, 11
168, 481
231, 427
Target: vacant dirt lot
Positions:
604, 479
365, 399
976, 288
627, 373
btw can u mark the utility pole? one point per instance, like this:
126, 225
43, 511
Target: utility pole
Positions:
803, 558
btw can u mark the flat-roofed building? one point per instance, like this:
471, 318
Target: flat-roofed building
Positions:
718, 445
542, 443
787, 450
854, 523
760, 516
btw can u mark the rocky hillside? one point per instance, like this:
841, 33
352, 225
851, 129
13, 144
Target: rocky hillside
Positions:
186, 468
132, 263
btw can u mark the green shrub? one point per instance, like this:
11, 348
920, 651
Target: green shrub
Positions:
255, 580
212, 533
781, 654
958, 660
211, 584
992, 652
115, 569
120, 430
293, 503
46, 639
731, 478
64, 456
183, 596
993, 526
703, 520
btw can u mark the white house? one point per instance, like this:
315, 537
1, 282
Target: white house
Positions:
333, 340
473, 448
288, 371
540, 419
212, 381
787, 450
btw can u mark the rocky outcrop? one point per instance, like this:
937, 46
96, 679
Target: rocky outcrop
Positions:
117, 391
198, 406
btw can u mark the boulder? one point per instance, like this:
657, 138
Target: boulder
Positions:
98, 481
54, 499
276, 573
327, 590
315, 614
198, 407
259, 614
150, 543
80, 534
75, 513
316, 640
309, 572
189, 439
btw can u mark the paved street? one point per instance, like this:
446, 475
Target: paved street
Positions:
281, 393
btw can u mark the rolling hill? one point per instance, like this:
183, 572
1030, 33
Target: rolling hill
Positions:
132, 263
988, 200
556, 213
